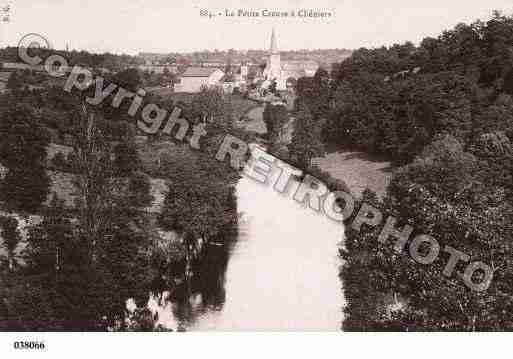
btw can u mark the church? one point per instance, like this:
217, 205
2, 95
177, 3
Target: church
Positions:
286, 71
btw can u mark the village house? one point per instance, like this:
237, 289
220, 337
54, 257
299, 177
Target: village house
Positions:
194, 78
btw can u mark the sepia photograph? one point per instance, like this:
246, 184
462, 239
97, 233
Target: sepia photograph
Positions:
254, 166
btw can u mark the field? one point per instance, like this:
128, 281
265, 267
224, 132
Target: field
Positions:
358, 170
240, 104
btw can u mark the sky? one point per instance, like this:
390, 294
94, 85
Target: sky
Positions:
133, 26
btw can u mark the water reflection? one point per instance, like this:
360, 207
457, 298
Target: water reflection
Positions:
204, 293
279, 271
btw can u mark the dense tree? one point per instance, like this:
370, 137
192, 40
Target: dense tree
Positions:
126, 159
10, 239
14, 82
306, 139
443, 111
466, 211
275, 117
91, 258
51, 243
399, 118
23, 151
129, 79
25, 190
23, 140
139, 190
199, 204
213, 108
198, 198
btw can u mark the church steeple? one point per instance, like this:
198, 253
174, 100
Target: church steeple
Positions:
273, 68
274, 46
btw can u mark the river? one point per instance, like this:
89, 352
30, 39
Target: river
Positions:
281, 273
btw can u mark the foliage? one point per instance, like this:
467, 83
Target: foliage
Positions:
442, 110
10, 239
14, 82
466, 211
212, 107
23, 150
275, 117
306, 140
199, 198
126, 159
83, 263
129, 79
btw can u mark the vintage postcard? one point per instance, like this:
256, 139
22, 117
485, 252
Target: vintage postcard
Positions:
285, 165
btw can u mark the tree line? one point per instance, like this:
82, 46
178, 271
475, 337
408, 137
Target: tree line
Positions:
442, 112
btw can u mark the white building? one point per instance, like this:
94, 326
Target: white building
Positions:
194, 78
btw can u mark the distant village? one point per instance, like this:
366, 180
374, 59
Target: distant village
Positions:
251, 72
